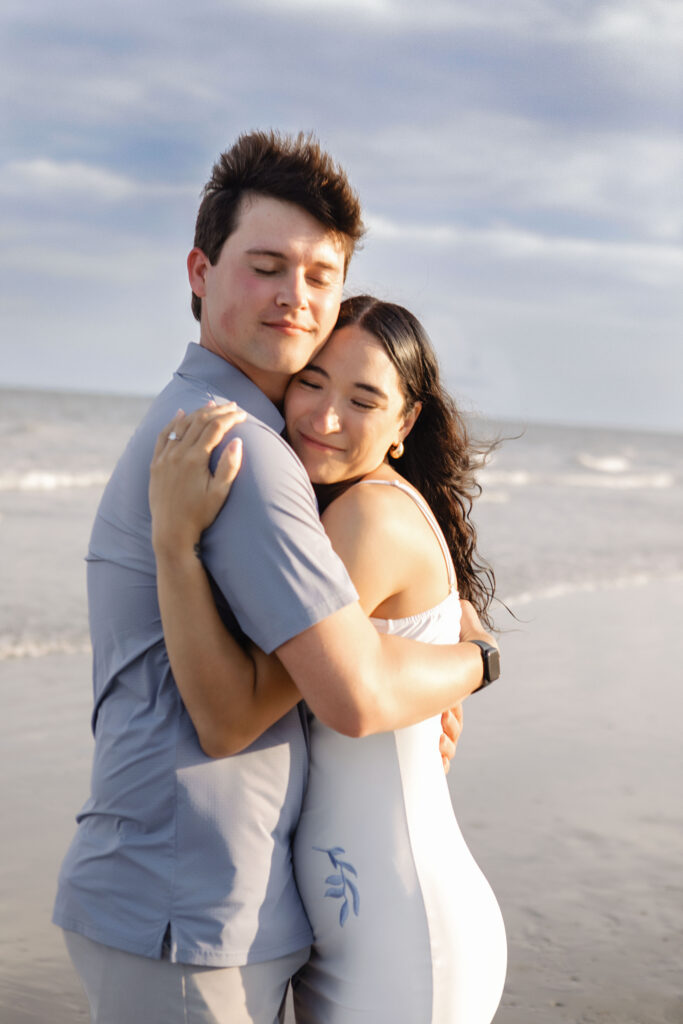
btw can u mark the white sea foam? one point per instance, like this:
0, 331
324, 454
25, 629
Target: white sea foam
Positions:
587, 587
39, 647
508, 478
490, 497
625, 482
45, 480
604, 463
608, 481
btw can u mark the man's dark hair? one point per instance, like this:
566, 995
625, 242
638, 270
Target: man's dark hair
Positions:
289, 167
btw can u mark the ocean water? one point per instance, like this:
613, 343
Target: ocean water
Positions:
562, 509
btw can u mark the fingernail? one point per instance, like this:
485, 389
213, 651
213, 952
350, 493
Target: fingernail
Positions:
235, 446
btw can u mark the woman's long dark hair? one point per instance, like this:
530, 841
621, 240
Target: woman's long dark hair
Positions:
440, 459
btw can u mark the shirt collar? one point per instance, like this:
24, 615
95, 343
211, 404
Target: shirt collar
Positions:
220, 376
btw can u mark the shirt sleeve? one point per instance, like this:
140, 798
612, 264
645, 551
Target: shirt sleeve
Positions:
267, 550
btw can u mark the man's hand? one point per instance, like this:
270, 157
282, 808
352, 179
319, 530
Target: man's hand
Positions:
451, 724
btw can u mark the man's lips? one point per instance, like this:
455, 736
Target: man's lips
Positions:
287, 327
320, 445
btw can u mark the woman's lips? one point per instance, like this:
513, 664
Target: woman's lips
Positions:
319, 445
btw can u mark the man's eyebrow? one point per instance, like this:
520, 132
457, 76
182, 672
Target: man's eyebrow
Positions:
323, 264
266, 252
357, 384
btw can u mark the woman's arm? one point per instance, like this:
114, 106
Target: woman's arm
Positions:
407, 681
185, 499
231, 696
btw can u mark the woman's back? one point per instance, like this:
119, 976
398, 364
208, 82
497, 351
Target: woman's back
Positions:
406, 927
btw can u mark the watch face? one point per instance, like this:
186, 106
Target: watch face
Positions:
491, 663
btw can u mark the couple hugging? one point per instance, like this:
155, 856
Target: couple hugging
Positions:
275, 642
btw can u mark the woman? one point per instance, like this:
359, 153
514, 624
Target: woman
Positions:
406, 927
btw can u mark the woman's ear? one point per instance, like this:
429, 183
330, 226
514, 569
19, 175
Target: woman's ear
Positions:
409, 420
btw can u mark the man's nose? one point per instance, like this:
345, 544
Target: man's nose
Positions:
293, 291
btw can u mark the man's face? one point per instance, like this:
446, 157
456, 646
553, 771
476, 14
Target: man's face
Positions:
272, 298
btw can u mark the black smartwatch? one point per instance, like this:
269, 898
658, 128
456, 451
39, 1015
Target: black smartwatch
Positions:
491, 660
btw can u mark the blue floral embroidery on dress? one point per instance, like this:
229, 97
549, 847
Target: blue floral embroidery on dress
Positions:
340, 885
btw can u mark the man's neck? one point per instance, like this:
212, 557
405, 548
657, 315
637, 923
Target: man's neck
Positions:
273, 385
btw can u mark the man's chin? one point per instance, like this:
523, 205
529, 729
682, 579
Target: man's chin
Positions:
290, 363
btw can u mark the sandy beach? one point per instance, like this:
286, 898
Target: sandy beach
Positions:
566, 785
568, 788
567, 779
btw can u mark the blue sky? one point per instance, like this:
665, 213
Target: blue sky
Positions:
520, 165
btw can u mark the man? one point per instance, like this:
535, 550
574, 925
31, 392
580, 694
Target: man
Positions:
177, 896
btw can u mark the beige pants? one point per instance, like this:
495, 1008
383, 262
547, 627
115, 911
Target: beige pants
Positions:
126, 989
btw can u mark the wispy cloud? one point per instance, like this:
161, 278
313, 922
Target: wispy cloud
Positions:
651, 264
609, 183
606, 19
82, 260
59, 178
20, 177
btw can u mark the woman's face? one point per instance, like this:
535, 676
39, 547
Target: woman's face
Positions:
346, 408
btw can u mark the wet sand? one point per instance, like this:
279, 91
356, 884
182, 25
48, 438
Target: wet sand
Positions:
566, 785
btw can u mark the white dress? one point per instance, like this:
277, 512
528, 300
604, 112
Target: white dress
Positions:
407, 929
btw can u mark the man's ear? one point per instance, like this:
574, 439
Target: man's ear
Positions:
197, 265
410, 419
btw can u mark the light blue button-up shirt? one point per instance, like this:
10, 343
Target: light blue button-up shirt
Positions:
168, 836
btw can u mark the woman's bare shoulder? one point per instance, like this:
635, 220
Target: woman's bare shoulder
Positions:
367, 531
382, 518
388, 547
371, 505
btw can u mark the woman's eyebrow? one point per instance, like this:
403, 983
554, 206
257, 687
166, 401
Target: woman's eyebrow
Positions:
372, 389
316, 369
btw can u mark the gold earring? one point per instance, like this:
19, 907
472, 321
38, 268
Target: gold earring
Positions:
396, 450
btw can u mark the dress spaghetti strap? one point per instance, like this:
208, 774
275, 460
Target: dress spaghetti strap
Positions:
429, 516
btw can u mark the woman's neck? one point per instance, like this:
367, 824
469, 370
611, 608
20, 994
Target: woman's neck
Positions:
327, 493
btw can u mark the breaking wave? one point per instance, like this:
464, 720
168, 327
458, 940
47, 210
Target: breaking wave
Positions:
611, 480
555, 590
45, 480
39, 647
